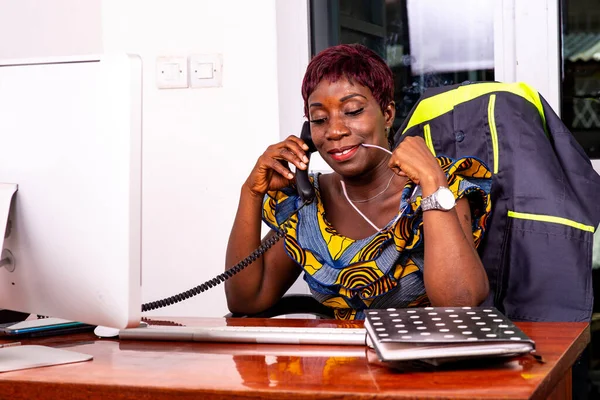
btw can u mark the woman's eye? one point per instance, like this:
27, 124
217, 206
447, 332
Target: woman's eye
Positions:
317, 121
355, 112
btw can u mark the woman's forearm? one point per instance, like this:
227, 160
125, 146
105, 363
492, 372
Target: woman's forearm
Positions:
453, 272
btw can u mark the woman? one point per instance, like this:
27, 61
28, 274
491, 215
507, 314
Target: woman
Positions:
365, 242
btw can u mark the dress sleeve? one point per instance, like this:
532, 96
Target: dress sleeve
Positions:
469, 177
279, 206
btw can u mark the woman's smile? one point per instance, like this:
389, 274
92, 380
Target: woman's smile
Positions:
344, 153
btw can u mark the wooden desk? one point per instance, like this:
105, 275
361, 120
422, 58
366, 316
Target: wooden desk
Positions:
187, 370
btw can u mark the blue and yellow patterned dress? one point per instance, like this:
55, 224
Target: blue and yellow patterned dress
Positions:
384, 269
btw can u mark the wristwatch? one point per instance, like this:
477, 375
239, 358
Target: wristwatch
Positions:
441, 199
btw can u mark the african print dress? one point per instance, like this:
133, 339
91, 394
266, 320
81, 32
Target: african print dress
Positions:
384, 269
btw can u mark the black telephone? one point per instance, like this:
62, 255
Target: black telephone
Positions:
306, 191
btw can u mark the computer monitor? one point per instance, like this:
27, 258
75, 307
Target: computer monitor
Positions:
70, 138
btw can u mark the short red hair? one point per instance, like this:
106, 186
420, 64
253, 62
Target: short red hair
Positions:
355, 62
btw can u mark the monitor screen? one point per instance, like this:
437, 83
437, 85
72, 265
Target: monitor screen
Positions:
70, 144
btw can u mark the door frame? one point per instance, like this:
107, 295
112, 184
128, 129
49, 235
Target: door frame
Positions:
527, 46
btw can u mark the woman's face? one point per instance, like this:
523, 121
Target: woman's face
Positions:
343, 116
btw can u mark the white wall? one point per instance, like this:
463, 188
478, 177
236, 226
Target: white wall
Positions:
41, 28
293, 54
199, 144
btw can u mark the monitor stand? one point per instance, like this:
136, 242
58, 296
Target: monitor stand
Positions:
15, 357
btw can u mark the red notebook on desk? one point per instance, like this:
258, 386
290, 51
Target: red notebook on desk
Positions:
442, 334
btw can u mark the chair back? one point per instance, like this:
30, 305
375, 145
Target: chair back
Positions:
537, 249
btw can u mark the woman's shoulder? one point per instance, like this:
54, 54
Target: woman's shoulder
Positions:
280, 205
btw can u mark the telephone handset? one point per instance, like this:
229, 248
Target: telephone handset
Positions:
306, 191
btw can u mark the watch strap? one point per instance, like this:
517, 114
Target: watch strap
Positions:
431, 202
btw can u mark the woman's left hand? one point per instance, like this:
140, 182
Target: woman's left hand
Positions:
413, 159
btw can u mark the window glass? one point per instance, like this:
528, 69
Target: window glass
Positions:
426, 43
580, 108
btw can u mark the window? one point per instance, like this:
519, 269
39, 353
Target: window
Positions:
408, 35
580, 108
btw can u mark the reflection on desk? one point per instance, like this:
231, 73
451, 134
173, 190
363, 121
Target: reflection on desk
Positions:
182, 370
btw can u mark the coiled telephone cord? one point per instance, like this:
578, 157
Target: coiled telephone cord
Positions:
153, 305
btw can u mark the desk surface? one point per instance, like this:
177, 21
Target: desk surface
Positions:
182, 370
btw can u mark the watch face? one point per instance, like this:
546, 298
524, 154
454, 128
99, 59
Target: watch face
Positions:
445, 198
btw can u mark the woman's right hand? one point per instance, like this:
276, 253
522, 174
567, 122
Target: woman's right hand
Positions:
272, 171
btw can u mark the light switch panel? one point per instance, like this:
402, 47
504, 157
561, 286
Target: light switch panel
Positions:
206, 70
171, 72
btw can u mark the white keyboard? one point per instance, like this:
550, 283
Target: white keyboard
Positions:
249, 334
